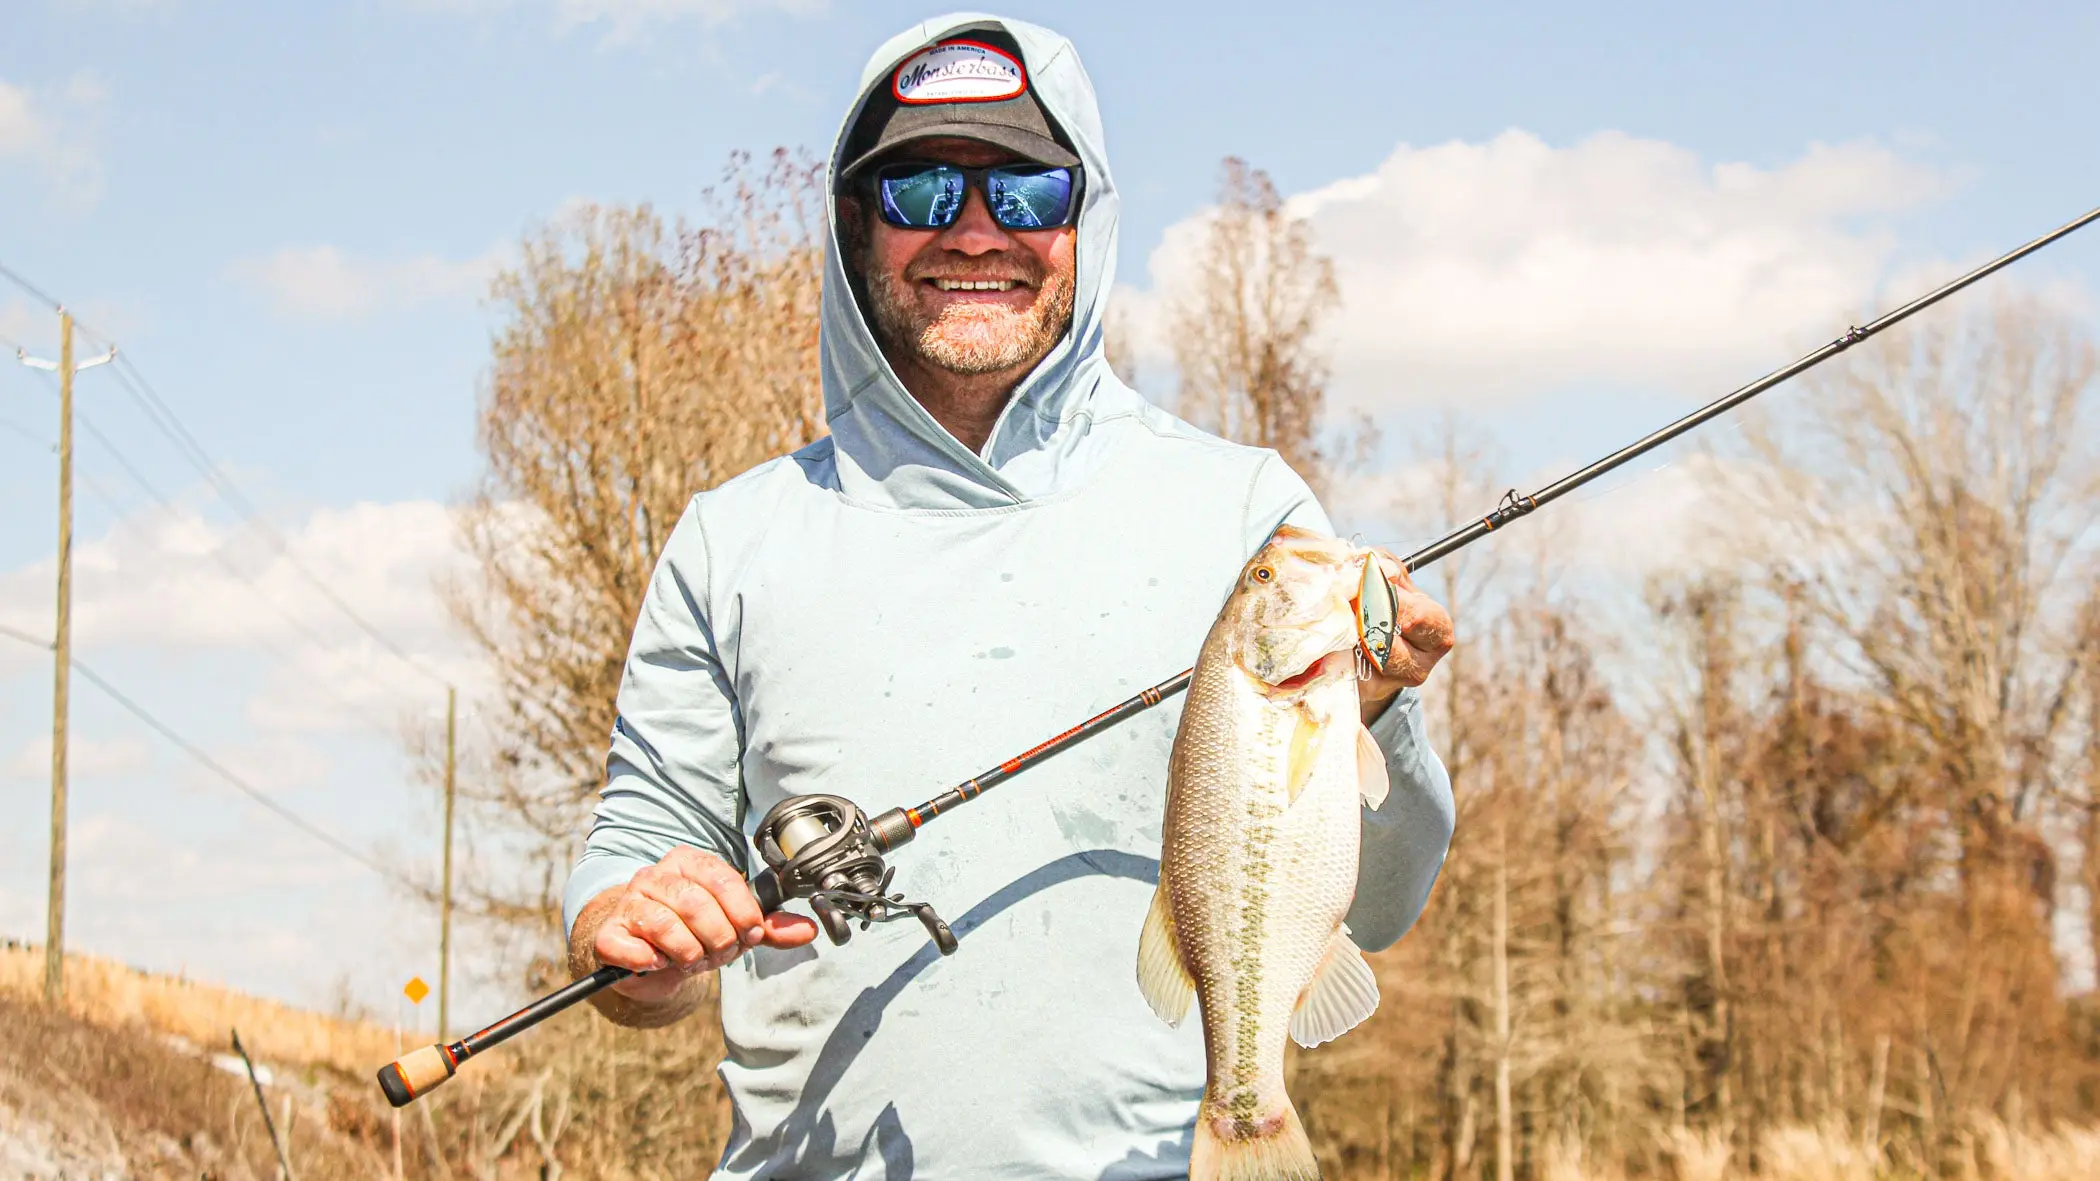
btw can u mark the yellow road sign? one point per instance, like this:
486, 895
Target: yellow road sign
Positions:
416, 990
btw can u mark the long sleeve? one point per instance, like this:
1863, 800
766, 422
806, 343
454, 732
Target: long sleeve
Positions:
1405, 838
673, 772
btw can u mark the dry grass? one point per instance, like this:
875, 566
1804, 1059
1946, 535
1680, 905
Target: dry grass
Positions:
2062, 1154
1819, 1154
113, 996
1830, 1153
78, 1100
89, 1093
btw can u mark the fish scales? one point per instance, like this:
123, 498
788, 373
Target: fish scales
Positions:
1258, 860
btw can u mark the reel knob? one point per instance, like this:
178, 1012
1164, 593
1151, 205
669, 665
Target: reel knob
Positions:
837, 925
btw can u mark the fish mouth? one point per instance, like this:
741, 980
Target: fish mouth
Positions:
1325, 666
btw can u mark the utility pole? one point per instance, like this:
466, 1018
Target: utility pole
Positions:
62, 649
445, 911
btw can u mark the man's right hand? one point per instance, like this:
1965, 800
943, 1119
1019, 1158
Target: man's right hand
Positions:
692, 912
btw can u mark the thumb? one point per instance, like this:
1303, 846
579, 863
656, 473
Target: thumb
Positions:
786, 929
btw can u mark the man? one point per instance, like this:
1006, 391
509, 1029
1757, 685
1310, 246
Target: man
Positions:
997, 538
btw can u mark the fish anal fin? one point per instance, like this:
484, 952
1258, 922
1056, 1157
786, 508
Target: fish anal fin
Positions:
1161, 976
1371, 780
1343, 992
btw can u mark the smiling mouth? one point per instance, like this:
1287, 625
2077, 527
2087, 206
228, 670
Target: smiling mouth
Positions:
974, 284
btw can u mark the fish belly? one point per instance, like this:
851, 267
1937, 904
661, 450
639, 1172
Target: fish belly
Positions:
1259, 865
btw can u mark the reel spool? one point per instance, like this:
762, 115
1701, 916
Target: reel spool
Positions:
820, 847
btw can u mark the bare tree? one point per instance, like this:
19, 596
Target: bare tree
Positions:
1245, 323
637, 364
1951, 479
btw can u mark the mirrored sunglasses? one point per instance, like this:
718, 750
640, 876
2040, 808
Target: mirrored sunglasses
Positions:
1020, 196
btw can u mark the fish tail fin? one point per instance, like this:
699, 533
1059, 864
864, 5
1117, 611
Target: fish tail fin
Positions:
1279, 1153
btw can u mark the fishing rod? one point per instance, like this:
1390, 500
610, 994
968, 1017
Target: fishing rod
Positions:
822, 848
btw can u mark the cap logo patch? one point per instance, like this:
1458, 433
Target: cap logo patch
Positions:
959, 72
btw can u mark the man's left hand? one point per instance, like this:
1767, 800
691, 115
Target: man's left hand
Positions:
1423, 632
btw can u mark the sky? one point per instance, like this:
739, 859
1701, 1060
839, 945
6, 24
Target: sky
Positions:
1566, 224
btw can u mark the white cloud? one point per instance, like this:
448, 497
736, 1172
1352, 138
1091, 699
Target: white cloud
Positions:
21, 323
1471, 271
1674, 517
180, 582
629, 16
323, 283
623, 19
119, 7
21, 128
85, 758
53, 134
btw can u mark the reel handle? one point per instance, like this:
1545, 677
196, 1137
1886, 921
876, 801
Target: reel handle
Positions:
838, 926
823, 848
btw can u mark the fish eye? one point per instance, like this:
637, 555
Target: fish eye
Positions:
1263, 574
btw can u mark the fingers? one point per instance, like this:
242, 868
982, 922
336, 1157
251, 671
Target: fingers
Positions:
617, 945
686, 922
783, 929
1396, 571
691, 911
1425, 629
731, 893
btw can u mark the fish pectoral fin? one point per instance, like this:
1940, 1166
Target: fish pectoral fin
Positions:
1305, 751
1371, 780
1343, 992
1161, 976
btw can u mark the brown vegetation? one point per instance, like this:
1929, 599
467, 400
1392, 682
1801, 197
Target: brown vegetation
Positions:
81, 1100
1795, 919
637, 365
1244, 326
113, 996
1787, 913
135, 1078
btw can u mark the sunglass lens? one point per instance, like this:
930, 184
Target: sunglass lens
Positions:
1030, 198
921, 198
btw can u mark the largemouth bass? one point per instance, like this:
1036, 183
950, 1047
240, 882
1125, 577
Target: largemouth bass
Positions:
1258, 864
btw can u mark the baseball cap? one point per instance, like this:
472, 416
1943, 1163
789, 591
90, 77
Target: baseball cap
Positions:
970, 86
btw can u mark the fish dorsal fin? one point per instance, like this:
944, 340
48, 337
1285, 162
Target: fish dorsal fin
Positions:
1371, 781
1161, 976
1343, 992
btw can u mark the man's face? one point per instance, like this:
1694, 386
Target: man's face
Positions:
926, 288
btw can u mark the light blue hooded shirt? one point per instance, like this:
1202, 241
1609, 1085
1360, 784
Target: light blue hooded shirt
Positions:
884, 614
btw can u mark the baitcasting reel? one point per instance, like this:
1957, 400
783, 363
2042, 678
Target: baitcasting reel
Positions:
822, 848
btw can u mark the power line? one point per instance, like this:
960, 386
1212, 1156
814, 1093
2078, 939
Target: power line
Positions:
167, 505
213, 765
27, 433
31, 288
88, 424
157, 410
165, 420
108, 501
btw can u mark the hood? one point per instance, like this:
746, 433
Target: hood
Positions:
889, 451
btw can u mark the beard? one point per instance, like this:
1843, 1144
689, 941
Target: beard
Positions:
972, 340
